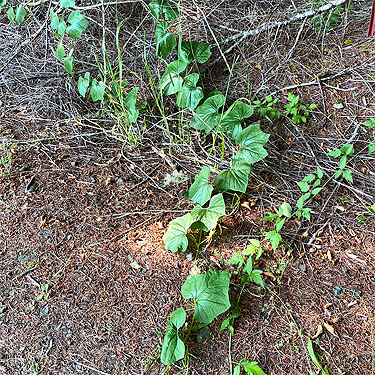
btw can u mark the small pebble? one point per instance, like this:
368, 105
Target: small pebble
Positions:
92, 178
302, 267
120, 182
73, 163
337, 290
44, 310
2, 308
246, 347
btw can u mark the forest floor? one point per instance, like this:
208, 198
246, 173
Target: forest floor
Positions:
87, 286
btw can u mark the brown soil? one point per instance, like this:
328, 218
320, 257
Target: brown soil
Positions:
86, 213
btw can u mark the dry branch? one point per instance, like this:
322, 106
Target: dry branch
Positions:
300, 16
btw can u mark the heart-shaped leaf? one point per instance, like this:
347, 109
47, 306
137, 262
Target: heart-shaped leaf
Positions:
11, 15
130, 102
83, 84
200, 191
251, 140
165, 41
206, 218
171, 81
60, 51
173, 348
61, 28
236, 178
54, 20
67, 3
210, 293
68, 64
231, 120
207, 116
20, 14
162, 6
194, 50
175, 237
190, 95
97, 90
78, 24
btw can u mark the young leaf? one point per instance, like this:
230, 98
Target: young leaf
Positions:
200, 191
236, 178
370, 123
316, 191
210, 293
248, 266
338, 174
207, 115
256, 277
209, 216
335, 153
279, 225
251, 368
61, 27
342, 162
54, 20
285, 210
68, 64
319, 173
190, 95
162, 6
371, 147
83, 84
173, 348
60, 51
97, 90
10, 14
165, 41
78, 24
130, 102
275, 239
347, 174
20, 14
347, 149
236, 260
67, 3
237, 370
303, 186
175, 237
171, 81
2, 3
309, 178
193, 50
251, 140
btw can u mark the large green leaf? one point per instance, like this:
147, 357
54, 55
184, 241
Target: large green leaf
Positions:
236, 178
194, 50
163, 6
173, 348
20, 14
231, 120
207, 116
171, 81
251, 140
251, 368
190, 95
165, 41
175, 237
206, 218
130, 102
97, 90
210, 293
78, 24
200, 191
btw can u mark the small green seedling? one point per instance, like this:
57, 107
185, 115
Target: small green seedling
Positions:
297, 109
344, 152
267, 109
250, 368
274, 236
371, 125
310, 186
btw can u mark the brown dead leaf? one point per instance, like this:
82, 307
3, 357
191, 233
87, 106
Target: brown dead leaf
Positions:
329, 255
327, 305
109, 181
335, 320
270, 275
245, 205
340, 208
330, 328
319, 331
